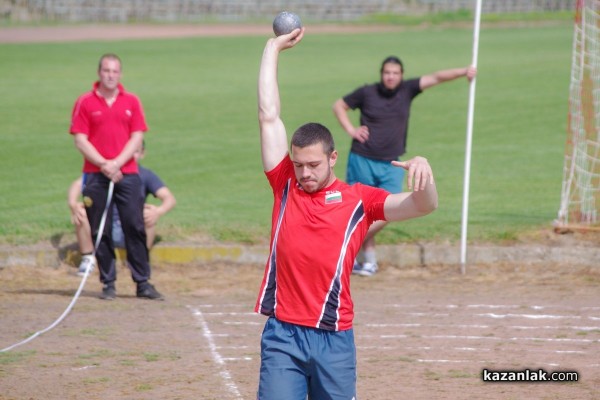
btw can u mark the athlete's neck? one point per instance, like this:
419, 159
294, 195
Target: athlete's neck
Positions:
109, 95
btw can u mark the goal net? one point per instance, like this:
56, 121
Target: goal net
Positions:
580, 197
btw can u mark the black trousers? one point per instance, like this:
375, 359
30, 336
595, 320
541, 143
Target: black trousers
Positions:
127, 196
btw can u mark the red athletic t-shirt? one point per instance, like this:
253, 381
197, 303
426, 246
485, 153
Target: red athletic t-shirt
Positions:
314, 240
108, 128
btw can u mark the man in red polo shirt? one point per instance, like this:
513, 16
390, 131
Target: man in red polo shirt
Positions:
108, 125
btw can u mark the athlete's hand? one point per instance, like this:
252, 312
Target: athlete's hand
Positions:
117, 177
419, 172
78, 214
151, 214
361, 133
288, 41
471, 72
112, 170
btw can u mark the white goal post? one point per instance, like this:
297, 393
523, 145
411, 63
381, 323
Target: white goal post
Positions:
580, 197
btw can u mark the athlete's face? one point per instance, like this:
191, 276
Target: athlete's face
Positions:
391, 76
109, 73
314, 170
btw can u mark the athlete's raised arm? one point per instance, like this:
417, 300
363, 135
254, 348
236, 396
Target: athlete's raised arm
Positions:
273, 138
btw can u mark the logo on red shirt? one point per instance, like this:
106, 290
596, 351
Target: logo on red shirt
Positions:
332, 197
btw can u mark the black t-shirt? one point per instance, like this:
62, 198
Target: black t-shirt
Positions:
386, 117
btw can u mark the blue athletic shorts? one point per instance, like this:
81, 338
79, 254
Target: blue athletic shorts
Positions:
298, 361
377, 173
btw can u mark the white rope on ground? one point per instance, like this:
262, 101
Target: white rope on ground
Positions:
83, 279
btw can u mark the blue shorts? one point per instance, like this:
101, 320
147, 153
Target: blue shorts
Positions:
377, 173
298, 361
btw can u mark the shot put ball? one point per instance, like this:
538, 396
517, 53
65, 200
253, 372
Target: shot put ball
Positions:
285, 22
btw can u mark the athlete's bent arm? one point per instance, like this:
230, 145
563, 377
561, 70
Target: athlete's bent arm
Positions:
152, 212
87, 149
340, 110
90, 153
421, 201
134, 143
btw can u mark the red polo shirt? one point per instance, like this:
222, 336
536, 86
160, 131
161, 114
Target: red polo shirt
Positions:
108, 128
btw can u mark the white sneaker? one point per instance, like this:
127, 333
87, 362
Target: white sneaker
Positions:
88, 262
365, 269
357, 268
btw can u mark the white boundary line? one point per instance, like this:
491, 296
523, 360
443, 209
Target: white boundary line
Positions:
493, 306
216, 356
489, 338
473, 326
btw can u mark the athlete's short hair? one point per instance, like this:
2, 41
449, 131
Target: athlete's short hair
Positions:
313, 133
110, 56
392, 60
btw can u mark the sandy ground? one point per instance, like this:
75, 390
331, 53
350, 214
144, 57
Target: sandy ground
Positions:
422, 333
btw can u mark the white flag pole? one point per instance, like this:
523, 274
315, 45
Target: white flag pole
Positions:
465, 208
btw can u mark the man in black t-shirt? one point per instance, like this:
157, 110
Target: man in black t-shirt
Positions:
381, 137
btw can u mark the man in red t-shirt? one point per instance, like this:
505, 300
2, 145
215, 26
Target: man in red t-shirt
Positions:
318, 226
108, 126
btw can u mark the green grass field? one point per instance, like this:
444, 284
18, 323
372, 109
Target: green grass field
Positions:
200, 101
